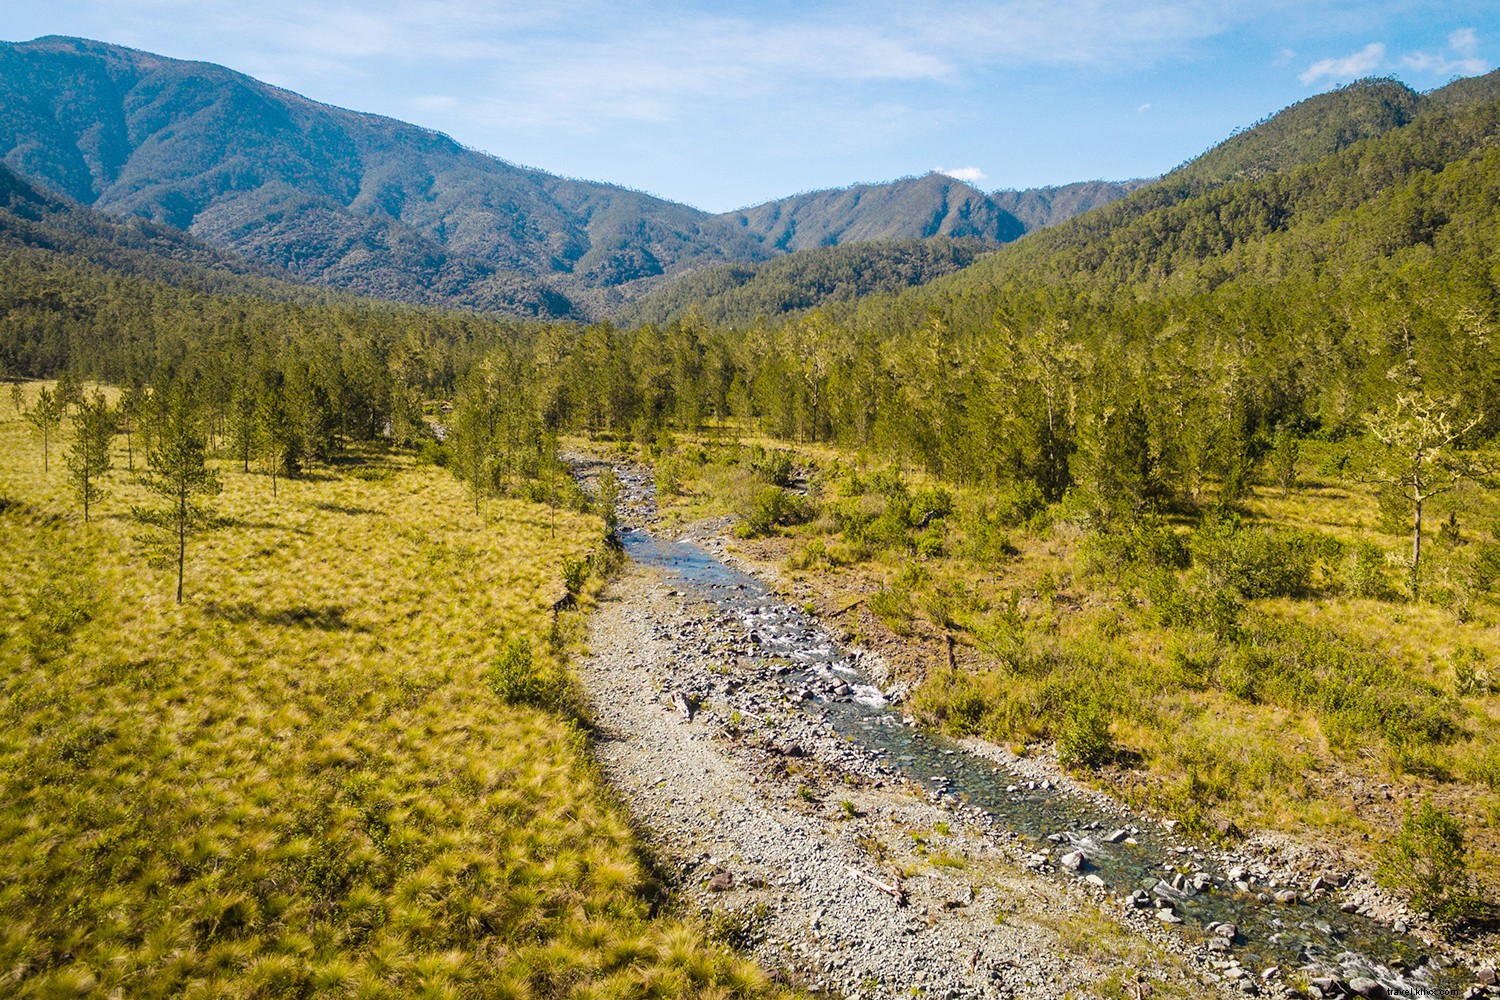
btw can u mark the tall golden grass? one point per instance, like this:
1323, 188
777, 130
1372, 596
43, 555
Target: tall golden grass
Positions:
297, 783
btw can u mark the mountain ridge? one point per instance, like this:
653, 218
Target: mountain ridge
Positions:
381, 207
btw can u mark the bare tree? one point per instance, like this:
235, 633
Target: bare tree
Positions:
1415, 459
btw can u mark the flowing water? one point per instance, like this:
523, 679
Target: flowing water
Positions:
1312, 935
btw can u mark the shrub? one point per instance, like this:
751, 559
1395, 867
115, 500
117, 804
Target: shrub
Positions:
1083, 737
514, 677
1427, 859
893, 607
1256, 562
1364, 572
433, 453
772, 507
575, 572
772, 467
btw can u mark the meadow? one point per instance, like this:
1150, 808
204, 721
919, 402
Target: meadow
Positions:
302, 781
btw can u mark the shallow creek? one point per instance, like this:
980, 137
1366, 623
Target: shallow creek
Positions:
1311, 935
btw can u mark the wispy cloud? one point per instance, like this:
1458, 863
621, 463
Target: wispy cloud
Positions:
1461, 59
1351, 67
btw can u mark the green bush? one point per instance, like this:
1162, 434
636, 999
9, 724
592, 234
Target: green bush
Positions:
772, 507
1256, 562
1427, 859
575, 572
1363, 572
1083, 737
514, 677
772, 467
1148, 543
894, 608
433, 453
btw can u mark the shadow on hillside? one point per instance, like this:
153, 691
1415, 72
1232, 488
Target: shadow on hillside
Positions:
324, 618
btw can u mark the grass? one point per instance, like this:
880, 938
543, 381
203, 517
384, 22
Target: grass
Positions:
299, 783
1265, 672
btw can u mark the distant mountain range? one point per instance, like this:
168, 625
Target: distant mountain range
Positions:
382, 208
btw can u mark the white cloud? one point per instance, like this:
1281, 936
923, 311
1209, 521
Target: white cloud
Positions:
1362, 63
970, 175
1143, 108
1462, 58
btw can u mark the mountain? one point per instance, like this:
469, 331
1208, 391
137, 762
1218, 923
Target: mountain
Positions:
737, 295
1038, 208
34, 220
335, 197
910, 208
1310, 206
1306, 131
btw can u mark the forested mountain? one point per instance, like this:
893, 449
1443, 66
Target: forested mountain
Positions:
382, 208
349, 200
739, 294
34, 220
1038, 208
913, 207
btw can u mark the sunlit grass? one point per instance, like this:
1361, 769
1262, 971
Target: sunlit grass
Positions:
298, 783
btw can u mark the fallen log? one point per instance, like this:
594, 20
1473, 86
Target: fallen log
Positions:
680, 701
896, 892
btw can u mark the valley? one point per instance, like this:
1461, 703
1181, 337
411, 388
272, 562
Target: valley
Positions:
429, 576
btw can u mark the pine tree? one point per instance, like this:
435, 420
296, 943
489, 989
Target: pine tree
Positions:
178, 473
88, 458
44, 417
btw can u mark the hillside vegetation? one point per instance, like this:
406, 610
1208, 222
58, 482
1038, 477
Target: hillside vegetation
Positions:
739, 294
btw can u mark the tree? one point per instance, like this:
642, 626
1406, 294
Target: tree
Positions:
178, 473
69, 391
275, 434
1413, 461
1284, 452
18, 398
44, 417
133, 407
472, 436
88, 458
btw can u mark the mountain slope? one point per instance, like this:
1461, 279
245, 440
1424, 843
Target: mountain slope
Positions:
739, 294
1038, 208
1300, 167
34, 220
910, 208
352, 200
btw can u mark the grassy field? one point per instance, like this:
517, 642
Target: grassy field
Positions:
1264, 669
299, 783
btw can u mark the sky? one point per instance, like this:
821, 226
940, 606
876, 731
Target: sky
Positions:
728, 104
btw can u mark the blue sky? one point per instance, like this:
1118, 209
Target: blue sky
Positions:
727, 104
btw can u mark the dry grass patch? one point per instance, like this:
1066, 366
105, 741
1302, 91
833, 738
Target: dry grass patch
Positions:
298, 783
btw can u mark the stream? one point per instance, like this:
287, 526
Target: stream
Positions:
1140, 861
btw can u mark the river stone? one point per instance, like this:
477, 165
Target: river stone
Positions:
1287, 897
1360, 986
1227, 931
721, 882
1166, 916
1073, 861
1116, 836
1488, 977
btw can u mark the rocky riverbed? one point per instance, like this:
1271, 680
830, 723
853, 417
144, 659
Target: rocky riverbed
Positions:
837, 870
787, 836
